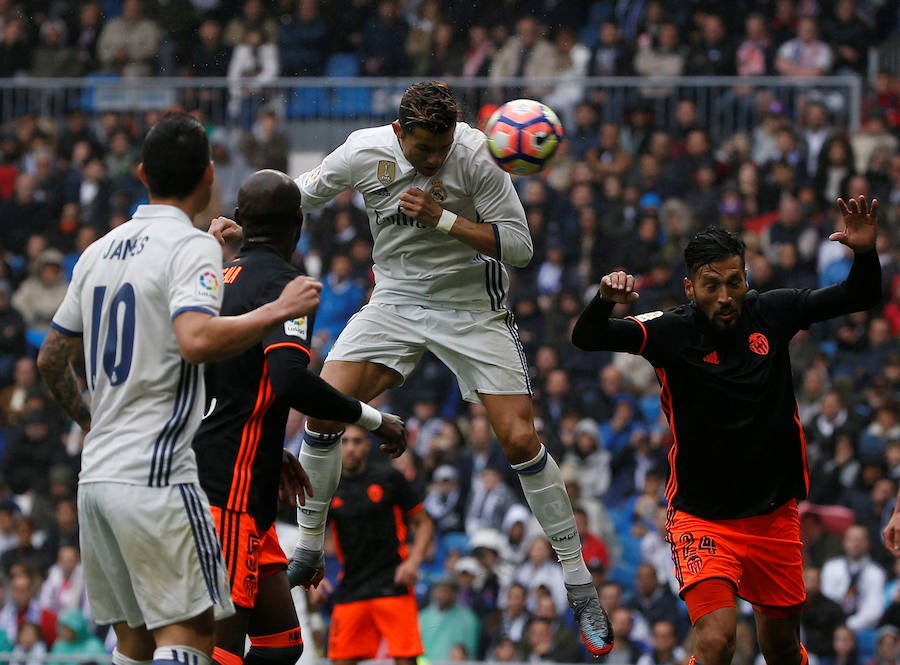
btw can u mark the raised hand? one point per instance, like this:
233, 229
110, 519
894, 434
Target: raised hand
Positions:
300, 296
618, 287
224, 229
860, 223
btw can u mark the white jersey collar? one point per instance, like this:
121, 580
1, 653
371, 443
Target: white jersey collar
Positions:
158, 211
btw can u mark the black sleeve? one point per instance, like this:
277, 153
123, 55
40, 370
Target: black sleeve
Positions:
595, 331
860, 291
307, 392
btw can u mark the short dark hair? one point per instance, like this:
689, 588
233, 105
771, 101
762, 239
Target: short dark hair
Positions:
429, 105
175, 156
710, 245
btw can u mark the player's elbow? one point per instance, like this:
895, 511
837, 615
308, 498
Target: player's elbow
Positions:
519, 255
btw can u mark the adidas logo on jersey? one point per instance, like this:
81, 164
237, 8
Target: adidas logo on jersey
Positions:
711, 358
384, 191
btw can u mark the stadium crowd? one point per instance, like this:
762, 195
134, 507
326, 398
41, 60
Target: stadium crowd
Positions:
624, 193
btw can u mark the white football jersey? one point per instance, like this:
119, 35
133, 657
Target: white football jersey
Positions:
414, 263
146, 400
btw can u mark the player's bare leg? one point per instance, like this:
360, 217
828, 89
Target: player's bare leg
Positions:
512, 418
779, 637
133, 645
320, 456
714, 636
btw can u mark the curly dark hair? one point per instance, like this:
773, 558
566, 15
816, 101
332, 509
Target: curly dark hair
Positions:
429, 105
710, 245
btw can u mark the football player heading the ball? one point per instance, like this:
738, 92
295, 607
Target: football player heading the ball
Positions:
738, 465
444, 219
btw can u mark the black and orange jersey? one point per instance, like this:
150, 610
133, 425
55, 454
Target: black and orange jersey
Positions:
739, 448
368, 518
240, 441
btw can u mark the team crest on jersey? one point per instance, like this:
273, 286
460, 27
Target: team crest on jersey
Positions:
759, 344
375, 493
386, 171
296, 327
649, 316
438, 191
207, 284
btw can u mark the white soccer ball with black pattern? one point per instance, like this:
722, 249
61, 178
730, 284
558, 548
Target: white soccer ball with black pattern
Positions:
523, 136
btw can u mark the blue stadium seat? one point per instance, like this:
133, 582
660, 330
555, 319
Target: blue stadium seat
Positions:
342, 64
307, 102
866, 643
351, 102
599, 11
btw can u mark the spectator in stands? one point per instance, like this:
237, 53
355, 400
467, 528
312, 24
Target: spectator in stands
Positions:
543, 642
791, 227
821, 616
714, 54
855, 582
806, 54
526, 54
488, 502
444, 622
253, 16
304, 40
612, 55
208, 55
420, 40
815, 130
479, 52
22, 215
443, 501
64, 587
128, 44
626, 651
30, 648
844, 646
609, 157
344, 299
53, 57
541, 568
266, 145
665, 647
514, 616
86, 34
15, 52
848, 36
75, 639
38, 297
22, 606
661, 56
874, 134
383, 45
12, 337
13, 398
253, 67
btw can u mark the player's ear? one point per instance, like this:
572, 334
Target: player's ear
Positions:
689, 289
398, 130
141, 175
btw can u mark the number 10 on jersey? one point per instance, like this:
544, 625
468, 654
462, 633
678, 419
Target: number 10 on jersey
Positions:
118, 342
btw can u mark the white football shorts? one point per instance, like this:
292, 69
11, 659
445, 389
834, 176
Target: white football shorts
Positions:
150, 554
481, 348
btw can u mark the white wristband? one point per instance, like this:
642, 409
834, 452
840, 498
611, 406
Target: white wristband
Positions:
370, 417
446, 221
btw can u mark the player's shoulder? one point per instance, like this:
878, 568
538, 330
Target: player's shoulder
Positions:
468, 137
371, 138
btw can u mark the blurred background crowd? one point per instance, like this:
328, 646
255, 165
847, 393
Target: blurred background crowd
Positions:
637, 174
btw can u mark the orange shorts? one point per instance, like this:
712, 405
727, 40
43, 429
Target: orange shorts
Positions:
249, 554
357, 628
760, 555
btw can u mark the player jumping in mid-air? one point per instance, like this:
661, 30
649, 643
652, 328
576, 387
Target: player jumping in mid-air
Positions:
240, 442
445, 219
738, 462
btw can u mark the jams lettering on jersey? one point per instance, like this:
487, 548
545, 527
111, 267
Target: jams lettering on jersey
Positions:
125, 249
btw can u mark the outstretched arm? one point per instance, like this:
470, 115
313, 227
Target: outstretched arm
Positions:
596, 331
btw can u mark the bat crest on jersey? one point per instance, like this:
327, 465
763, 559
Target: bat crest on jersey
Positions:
438, 191
386, 171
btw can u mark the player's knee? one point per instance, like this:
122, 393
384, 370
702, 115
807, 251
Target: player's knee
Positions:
520, 443
286, 655
716, 646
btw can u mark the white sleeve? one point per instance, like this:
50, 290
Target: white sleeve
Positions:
497, 203
195, 276
327, 180
68, 319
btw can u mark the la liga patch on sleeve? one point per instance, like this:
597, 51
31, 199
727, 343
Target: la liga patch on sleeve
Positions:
208, 284
649, 316
296, 327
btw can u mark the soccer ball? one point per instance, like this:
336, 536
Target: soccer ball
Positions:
523, 135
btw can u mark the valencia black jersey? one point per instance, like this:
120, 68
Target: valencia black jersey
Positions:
240, 441
739, 448
368, 517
